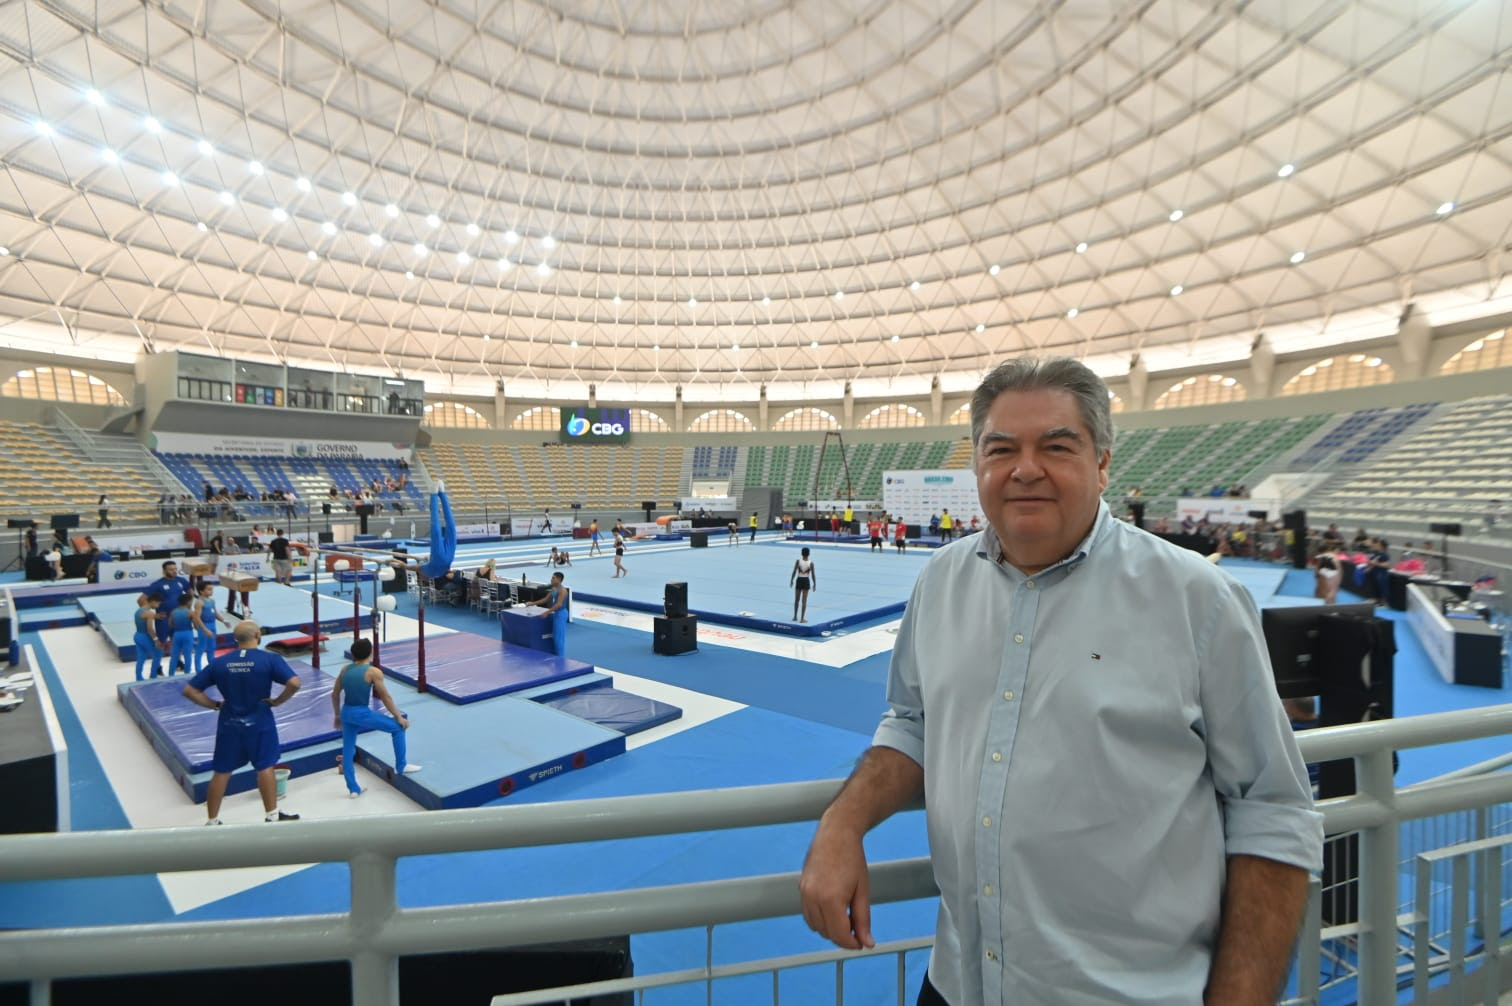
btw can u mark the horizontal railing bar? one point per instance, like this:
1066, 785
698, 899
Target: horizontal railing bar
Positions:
1331, 743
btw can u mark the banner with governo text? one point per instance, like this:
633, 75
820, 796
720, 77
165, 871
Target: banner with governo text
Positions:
277, 447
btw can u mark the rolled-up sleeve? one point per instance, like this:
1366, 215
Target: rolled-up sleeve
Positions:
902, 726
1257, 769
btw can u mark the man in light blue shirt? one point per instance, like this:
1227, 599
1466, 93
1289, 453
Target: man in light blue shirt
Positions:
1117, 811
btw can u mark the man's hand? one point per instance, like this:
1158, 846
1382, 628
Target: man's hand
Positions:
403, 721
836, 888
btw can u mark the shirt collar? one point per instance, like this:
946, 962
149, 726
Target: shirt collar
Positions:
991, 549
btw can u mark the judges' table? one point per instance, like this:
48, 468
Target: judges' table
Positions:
526, 626
1464, 650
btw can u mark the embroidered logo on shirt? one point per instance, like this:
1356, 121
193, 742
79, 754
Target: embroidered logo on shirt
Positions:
1097, 656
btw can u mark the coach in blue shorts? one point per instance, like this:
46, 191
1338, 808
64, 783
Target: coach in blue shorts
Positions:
246, 731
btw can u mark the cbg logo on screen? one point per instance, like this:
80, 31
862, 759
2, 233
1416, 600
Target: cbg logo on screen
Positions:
596, 425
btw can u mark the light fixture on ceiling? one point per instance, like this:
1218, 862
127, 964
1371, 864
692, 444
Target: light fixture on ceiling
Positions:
205, 149
1285, 170
227, 198
1177, 290
200, 226
349, 198
472, 230
1081, 247
504, 264
511, 236
255, 167
169, 178
311, 255
108, 156
617, 300
894, 338
463, 258
420, 250
766, 302
1072, 313
548, 242
692, 301
328, 228
408, 274
814, 345
1445, 209
302, 184
734, 347
152, 125
980, 328
391, 211
280, 214
839, 294
573, 344
1297, 257
1176, 215
44, 128
914, 285
544, 269
95, 98
4, 251
656, 348
432, 221
994, 269
375, 239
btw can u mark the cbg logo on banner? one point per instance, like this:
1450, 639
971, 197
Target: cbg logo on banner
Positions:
595, 426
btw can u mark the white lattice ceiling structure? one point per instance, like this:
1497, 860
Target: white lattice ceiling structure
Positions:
725, 193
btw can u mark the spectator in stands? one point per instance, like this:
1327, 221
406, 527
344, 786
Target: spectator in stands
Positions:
104, 509
1216, 491
208, 490
1030, 729
1326, 580
246, 730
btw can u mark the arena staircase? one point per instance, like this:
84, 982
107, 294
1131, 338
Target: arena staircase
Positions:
117, 451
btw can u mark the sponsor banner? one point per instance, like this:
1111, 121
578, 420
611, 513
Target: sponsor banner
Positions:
858, 507
583, 425
915, 496
244, 565
693, 504
1216, 509
477, 530
1432, 630
271, 447
140, 572
137, 541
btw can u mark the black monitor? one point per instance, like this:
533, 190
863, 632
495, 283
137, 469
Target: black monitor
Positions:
1291, 635
64, 521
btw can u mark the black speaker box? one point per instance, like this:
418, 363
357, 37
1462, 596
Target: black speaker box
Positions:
20, 522
64, 521
1295, 520
675, 600
671, 636
1445, 529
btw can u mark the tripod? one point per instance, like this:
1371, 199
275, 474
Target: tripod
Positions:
19, 562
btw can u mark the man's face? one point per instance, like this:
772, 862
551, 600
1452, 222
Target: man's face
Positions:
1039, 477
170, 570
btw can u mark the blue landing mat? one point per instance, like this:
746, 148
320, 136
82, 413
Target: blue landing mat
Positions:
461, 667
617, 710
474, 754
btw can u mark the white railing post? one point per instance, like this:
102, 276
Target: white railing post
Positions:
1378, 881
375, 973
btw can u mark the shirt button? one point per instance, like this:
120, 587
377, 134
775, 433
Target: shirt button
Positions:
1018, 637
1007, 696
991, 956
986, 822
1029, 584
997, 756
987, 890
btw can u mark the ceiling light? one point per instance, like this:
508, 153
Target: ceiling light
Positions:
573, 344
894, 338
463, 258
255, 167
200, 226
94, 97
152, 125
1285, 171
349, 198
472, 230
4, 251
328, 228
486, 337
1445, 209
391, 211
766, 302
107, 155
311, 255
735, 347
617, 299
914, 285
420, 250
44, 128
408, 274
169, 178
994, 269
656, 348
375, 239
205, 149
1081, 247
1176, 215
548, 242
510, 236
839, 294
302, 184
692, 301
980, 327
1297, 257
280, 214
813, 345
544, 269
431, 220
1176, 290
504, 264
1072, 313
227, 198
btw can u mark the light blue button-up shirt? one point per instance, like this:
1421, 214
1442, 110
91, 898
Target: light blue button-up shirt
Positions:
1097, 738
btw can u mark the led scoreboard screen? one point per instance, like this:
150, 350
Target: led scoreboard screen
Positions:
595, 426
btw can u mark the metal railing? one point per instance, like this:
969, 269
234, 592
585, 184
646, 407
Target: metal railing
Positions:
375, 932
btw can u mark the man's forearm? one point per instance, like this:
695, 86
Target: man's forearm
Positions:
1262, 908
884, 781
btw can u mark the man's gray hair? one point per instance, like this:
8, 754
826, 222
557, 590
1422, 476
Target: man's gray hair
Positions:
1061, 373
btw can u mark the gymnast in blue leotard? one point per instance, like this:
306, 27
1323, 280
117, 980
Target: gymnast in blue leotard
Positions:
557, 604
443, 535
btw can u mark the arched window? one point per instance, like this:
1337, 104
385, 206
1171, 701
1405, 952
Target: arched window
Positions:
57, 384
646, 421
721, 421
1358, 370
1116, 404
1489, 351
892, 417
806, 419
455, 414
1209, 389
543, 417
960, 417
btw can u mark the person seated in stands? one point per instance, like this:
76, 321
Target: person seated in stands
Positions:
452, 588
1216, 491
1188, 524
